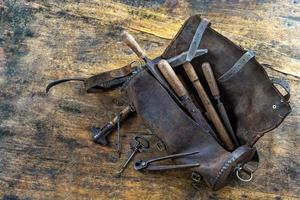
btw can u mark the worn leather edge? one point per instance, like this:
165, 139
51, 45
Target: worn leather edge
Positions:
242, 154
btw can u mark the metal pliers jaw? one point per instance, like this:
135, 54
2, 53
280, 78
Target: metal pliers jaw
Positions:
146, 164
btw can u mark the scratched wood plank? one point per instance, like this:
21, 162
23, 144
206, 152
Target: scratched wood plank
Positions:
46, 150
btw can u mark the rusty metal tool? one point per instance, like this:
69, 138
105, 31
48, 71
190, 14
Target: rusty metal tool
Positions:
183, 95
146, 164
210, 78
141, 143
100, 134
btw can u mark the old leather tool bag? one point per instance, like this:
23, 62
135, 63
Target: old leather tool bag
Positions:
255, 106
253, 102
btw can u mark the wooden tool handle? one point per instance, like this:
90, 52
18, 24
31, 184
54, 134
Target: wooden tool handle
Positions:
172, 78
213, 115
209, 76
190, 72
123, 115
189, 69
130, 41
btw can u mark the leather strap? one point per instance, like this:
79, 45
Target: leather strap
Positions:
95, 86
101, 81
284, 84
237, 66
110, 79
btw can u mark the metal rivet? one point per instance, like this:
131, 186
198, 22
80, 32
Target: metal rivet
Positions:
274, 107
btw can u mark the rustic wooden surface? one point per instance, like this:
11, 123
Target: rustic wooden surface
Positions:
45, 145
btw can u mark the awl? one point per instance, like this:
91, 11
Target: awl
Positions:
210, 78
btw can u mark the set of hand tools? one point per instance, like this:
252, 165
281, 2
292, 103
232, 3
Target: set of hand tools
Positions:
163, 71
226, 137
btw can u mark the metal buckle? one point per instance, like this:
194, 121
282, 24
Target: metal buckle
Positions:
196, 177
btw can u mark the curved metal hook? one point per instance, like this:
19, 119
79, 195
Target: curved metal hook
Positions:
54, 83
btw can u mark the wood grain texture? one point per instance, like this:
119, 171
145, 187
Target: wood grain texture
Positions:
209, 108
45, 144
172, 78
211, 80
132, 44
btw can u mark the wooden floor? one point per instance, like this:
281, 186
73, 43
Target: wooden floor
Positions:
45, 147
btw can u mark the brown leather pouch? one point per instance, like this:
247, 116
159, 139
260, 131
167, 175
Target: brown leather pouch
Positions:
254, 104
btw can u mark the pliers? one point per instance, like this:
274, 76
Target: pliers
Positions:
146, 164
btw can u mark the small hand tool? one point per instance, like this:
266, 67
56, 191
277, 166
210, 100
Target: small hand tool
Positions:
145, 164
141, 143
210, 78
99, 135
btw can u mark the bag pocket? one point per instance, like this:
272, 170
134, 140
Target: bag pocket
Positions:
257, 106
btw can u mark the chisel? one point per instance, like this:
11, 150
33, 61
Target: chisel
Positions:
210, 78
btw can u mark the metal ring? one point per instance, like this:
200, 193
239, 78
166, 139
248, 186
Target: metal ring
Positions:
238, 169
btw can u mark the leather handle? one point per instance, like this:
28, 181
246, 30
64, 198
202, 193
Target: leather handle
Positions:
132, 44
284, 84
209, 76
172, 78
